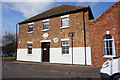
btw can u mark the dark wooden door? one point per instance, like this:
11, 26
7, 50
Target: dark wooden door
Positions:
45, 51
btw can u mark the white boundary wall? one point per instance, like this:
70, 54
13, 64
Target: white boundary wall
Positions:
56, 55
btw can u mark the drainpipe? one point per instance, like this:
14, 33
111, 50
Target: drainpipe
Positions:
16, 41
84, 37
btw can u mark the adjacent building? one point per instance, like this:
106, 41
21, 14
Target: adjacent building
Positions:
69, 34
105, 35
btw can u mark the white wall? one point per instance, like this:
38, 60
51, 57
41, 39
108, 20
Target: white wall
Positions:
56, 55
23, 55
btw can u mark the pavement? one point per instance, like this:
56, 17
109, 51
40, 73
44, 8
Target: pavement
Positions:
17, 69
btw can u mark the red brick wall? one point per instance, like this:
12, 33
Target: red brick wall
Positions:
119, 28
75, 25
108, 21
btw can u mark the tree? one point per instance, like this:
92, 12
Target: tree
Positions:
9, 44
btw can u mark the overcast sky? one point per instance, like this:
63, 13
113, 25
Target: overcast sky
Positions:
14, 12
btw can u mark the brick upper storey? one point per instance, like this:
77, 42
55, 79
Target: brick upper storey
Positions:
55, 30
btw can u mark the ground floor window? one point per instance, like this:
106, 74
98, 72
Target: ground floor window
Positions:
109, 48
29, 48
65, 47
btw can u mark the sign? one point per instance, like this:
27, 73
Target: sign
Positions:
55, 39
45, 35
19, 42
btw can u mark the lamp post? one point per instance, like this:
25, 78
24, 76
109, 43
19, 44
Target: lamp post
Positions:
72, 35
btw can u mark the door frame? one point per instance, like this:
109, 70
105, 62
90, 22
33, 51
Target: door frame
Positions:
44, 41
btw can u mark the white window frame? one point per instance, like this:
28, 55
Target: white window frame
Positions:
65, 16
46, 20
109, 56
30, 26
29, 42
66, 39
45, 41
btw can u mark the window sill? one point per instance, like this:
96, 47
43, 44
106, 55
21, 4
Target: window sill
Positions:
65, 54
108, 56
30, 32
45, 30
64, 27
29, 54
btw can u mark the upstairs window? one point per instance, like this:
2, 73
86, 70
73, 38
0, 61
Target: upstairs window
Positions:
65, 21
29, 48
46, 24
109, 48
65, 47
30, 27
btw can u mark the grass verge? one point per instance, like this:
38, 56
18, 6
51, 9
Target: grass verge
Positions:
8, 58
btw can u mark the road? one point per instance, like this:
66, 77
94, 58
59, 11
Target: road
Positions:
40, 70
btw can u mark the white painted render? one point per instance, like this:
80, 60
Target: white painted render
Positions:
22, 55
56, 55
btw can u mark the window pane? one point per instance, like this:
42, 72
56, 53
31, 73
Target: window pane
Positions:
104, 43
65, 19
111, 43
63, 52
107, 37
65, 47
111, 51
108, 52
30, 29
29, 44
46, 25
105, 51
67, 52
65, 43
65, 22
29, 48
108, 43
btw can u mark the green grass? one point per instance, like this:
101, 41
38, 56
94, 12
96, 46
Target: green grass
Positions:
8, 58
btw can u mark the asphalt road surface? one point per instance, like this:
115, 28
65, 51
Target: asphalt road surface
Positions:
38, 70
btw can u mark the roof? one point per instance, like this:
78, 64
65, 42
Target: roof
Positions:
55, 11
104, 13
